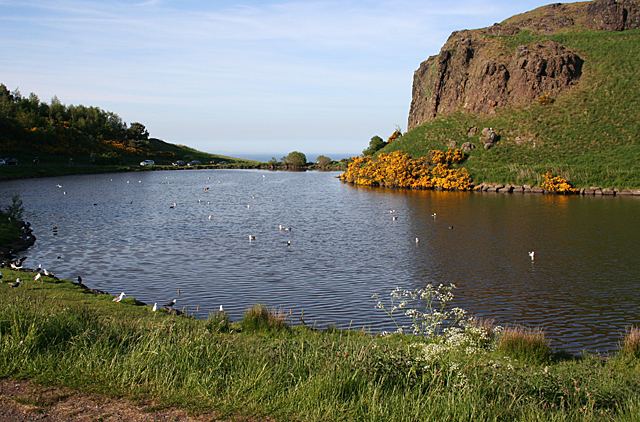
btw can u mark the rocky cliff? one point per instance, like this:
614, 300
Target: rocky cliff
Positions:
485, 69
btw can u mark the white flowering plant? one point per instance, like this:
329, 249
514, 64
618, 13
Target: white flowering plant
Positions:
435, 319
448, 333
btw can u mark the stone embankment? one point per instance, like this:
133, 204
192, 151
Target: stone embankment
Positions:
594, 190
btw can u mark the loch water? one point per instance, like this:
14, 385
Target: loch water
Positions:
122, 233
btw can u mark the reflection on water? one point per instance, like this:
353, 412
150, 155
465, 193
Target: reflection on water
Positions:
122, 232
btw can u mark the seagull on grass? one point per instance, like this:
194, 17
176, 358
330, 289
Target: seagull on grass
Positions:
37, 277
119, 298
170, 304
155, 307
17, 283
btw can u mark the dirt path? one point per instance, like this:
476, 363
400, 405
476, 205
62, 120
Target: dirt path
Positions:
23, 401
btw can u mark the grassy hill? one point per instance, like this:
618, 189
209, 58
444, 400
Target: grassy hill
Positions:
59, 135
590, 134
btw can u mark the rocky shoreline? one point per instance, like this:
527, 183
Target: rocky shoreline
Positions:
594, 190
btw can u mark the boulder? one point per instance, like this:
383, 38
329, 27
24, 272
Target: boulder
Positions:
467, 146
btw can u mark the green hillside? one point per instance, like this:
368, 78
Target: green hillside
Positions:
590, 134
59, 134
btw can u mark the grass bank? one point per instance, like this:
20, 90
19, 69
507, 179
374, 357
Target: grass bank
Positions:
589, 135
56, 333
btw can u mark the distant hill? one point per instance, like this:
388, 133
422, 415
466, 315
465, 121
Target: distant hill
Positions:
30, 127
560, 86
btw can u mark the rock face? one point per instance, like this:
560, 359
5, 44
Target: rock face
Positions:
479, 72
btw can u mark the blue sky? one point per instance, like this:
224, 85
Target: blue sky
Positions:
241, 77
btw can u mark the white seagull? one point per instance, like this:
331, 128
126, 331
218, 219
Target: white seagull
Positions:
532, 254
251, 238
37, 277
221, 309
17, 283
119, 298
170, 304
155, 307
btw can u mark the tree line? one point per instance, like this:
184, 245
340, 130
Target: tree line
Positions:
28, 124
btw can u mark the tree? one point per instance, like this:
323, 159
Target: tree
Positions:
137, 131
295, 158
323, 161
375, 145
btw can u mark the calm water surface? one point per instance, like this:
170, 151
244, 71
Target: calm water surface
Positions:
121, 233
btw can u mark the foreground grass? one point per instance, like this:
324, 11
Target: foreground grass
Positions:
55, 333
588, 135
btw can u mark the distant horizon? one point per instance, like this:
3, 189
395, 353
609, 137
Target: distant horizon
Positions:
264, 157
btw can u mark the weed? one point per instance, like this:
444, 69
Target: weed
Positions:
524, 344
262, 318
218, 322
630, 346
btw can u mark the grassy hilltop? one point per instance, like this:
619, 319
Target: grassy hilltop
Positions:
589, 134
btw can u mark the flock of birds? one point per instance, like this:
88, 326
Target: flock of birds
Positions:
18, 264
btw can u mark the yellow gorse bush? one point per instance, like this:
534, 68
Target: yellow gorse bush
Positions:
398, 169
556, 184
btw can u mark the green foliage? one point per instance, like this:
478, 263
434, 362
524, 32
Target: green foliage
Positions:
218, 322
15, 210
526, 345
261, 318
323, 161
295, 158
630, 347
10, 219
375, 145
588, 135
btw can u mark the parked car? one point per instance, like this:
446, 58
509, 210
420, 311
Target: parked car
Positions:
11, 161
2, 162
178, 163
194, 163
147, 163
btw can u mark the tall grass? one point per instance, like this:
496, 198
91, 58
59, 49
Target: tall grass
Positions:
630, 346
525, 344
54, 333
